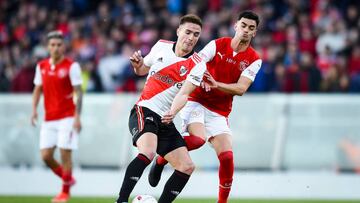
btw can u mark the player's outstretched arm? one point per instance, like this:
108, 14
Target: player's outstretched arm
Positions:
79, 98
179, 101
137, 62
238, 88
35, 101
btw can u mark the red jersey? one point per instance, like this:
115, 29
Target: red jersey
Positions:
57, 83
225, 66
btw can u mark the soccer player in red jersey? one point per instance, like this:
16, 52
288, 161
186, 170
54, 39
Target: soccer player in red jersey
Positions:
58, 77
171, 73
232, 65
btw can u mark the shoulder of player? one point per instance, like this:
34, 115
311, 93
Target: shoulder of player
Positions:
161, 44
195, 57
43, 62
223, 40
252, 52
68, 62
165, 41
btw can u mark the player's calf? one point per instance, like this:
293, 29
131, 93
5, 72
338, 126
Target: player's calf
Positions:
226, 172
132, 176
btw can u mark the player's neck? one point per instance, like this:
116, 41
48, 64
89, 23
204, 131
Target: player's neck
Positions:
238, 45
56, 60
179, 52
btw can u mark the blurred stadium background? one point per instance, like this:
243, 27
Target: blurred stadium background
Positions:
296, 133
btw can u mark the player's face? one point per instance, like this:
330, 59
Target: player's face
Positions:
188, 35
245, 29
56, 47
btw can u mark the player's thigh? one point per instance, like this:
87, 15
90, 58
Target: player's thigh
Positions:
142, 120
47, 154
48, 135
197, 129
66, 158
216, 124
192, 113
221, 143
68, 138
180, 160
147, 144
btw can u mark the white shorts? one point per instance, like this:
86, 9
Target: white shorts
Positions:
214, 123
59, 133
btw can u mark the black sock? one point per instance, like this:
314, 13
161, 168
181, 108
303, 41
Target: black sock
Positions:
132, 175
173, 186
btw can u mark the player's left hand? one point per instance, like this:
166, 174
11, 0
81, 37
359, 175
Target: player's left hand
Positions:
168, 117
77, 124
206, 86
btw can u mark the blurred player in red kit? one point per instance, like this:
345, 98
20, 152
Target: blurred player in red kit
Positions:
58, 77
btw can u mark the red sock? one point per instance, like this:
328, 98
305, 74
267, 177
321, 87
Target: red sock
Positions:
66, 181
58, 171
161, 161
192, 142
226, 172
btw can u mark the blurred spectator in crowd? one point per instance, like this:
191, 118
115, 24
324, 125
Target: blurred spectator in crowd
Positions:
100, 33
304, 77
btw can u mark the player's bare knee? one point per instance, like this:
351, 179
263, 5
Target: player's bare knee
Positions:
186, 167
47, 157
149, 154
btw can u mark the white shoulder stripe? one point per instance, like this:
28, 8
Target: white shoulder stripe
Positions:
196, 58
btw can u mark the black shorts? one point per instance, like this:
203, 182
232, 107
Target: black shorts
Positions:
143, 120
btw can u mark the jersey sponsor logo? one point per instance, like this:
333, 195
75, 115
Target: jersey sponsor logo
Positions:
251, 73
230, 60
183, 70
243, 65
221, 55
196, 78
166, 79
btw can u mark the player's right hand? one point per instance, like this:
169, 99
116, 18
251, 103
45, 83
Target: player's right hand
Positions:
34, 118
136, 59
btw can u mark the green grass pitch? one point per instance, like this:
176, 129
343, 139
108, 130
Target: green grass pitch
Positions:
33, 199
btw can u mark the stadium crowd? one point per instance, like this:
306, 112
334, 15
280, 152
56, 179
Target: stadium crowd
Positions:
306, 46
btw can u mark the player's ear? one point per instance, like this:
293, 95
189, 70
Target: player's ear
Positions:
177, 31
254, 34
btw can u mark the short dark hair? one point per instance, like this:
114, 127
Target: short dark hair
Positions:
55, 35
250, 15
191, 18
